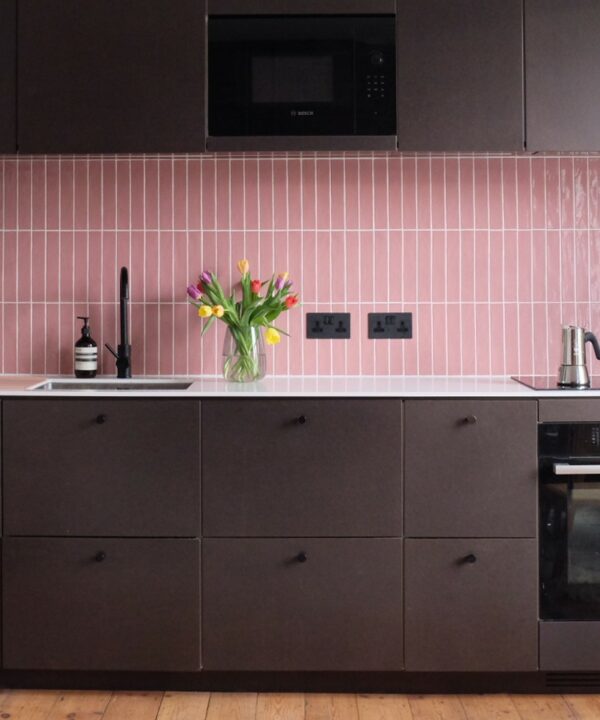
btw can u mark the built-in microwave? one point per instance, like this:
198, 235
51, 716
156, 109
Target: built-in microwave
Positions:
301, 75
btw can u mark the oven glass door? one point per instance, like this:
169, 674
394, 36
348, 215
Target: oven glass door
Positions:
570, 540
296, 75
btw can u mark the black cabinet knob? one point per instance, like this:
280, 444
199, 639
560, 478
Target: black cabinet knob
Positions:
101, 419
100, 556
302, 557
471, 419
470, 559
301, 420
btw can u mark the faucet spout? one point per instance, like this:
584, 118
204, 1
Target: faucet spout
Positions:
123, 353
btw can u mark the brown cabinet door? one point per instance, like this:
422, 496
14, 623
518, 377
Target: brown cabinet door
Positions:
302, 467
460, 75
471, 605
101, 604
8, 64
471, 468
302, 604
562, 55
102, 467
108, 76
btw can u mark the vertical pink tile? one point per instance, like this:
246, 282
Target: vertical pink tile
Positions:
323, 198
180, 193
567, 199
482, 215
9, 268
582, 265
109, 194
496, 190
67, 193
67, 257
580, 191
294, 198
95, 194
540, 344
165, 272
453, 333
440, 340
24, 266
38, 340
24, 321
482, 266
123, 199
467, 269
482, 347
337, 188
151, 339
138, 188
453, 269
509, 192
593, 164
80, 195
554, 264
165, 193
52, 193
496, 259
524, 191
80, 267
38, 188
280, 194
423, 190
265, 204
553, 206
208, 200
151, 194
438, 267
466, 180
469, 339
380, 195
38, 256
166, 346
109, 267
525, 267
10, 344
568, 277
498, 356
351, 194
309, 193
151, 270
394, 170
526, 339
438, 193
24, 192
424, 339
366, 191
452, 193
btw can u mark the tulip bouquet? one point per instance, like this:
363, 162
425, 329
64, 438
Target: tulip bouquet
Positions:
244, 357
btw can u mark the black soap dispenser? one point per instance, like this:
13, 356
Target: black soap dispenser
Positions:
86, 352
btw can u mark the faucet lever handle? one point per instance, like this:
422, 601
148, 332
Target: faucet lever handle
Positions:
111, 349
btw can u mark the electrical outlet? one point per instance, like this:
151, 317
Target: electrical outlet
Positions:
329, 326
390, 326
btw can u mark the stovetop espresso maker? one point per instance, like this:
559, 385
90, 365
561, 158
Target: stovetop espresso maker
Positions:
573, 371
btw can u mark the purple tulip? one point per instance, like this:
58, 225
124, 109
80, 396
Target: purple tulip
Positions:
279, 283
288, 284
206, 277
193, 292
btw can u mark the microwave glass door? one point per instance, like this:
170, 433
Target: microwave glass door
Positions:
301, 75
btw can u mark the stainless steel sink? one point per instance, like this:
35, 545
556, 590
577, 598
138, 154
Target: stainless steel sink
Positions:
112, 385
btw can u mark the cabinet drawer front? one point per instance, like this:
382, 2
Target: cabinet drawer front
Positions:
302, 468
471, 468
101, 604
102, 467
266, 609
471, 605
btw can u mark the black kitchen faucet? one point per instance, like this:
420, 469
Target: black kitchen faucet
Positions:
123, 353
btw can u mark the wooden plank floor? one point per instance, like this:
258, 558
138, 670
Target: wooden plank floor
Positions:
104, 705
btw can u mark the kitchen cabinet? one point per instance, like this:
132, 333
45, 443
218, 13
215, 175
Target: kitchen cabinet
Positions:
8, 61
471, 468
110, 76
302, 467
562, 54
471, 605
101, 604
102, 467
302, 604
460, 75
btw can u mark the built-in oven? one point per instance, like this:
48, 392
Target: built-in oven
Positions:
301, 75
569, 467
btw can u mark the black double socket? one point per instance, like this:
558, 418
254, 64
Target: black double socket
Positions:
328, 326
390, 326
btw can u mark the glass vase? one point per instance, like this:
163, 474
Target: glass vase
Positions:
244, 357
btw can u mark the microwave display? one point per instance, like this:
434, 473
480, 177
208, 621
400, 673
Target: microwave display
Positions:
301, 75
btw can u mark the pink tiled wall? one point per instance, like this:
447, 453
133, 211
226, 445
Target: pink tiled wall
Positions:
490, 254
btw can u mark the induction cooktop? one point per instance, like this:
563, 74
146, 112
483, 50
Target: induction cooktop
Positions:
548, 382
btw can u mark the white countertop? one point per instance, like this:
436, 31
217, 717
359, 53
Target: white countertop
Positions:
306, 386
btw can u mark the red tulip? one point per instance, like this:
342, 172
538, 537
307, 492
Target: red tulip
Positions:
255, 286
200, 287
291, 300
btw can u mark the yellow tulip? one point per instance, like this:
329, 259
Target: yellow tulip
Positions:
272, 337
204, 311
218, 311
243, 267
284, 276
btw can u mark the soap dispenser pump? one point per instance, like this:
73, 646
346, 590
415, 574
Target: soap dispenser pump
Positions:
86, 352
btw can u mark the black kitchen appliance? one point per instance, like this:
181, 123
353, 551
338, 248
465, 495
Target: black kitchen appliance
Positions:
569, 471
298, 75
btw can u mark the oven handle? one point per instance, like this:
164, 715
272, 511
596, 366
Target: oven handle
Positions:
567, 469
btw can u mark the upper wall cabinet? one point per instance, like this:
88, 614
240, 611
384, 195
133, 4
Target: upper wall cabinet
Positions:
562, 56
460, 75
8, 58
108, 76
